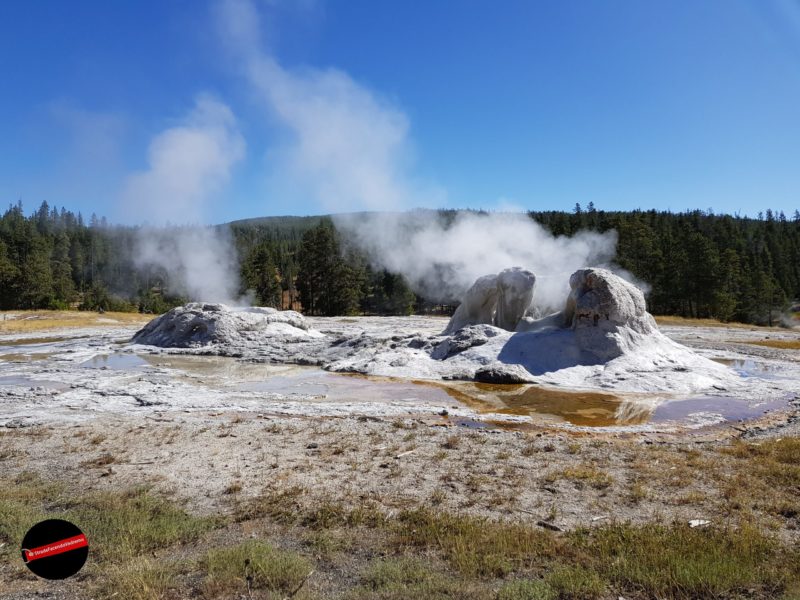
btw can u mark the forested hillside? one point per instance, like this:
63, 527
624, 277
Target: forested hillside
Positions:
698, 264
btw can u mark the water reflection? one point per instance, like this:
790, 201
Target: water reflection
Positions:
586, 409
121, 362
544, 404
219, 367
751, 368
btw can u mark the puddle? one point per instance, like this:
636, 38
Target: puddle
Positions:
720, 409
591, 409
585, 409
220, 367
39, 341
543, 404
231, 374
580, 408
347, 387
119, 362
472, 423
752, 368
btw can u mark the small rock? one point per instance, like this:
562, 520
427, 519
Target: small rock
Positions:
312, 446
502, 374
549, 526
699, 523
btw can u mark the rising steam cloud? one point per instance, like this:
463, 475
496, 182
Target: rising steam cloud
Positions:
188, 165
442, 259
348, 146
351, 149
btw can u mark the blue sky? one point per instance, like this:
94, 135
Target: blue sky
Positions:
311, 106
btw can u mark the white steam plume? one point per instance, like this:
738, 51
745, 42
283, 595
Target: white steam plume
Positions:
441, 257
351, 149
188, 165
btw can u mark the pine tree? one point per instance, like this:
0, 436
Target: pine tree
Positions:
61, 268
8, 274
260, 275
34, 284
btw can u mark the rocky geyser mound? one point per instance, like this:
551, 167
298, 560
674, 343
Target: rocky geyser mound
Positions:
200, 324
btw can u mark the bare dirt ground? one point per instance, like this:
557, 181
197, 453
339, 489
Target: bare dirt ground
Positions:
218, 460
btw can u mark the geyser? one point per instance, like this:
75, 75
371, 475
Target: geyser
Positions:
200, 324
500, 300
606, 312
601, 337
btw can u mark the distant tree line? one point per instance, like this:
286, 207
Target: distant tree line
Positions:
55, 259
292, 262
699, 264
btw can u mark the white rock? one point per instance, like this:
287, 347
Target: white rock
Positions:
699, 523
200, 324
607, 313
500, 300
514, 297
477, 306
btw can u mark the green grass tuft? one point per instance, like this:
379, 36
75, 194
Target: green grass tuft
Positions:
229, 569
140, 579
677, 562
475, 547
135, 522
409, 578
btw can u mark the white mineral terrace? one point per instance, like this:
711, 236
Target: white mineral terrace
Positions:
602, 361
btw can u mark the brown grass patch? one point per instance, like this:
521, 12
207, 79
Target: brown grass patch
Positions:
780, 344
686, 322
27, 321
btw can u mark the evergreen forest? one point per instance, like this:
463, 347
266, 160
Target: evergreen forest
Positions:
698, 264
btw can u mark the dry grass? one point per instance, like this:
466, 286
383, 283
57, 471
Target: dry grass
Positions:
781, 344
769, 479
473, 546
645, 561
408, 578
146, 547
452, 442
142, 578
583, 474
253, 565
670, 320
123, 525
29, 321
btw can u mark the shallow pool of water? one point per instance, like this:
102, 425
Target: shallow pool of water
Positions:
34, 342
581, 408
727, 409
220, 367
752, 368
586, 409
120, 362
543, 404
